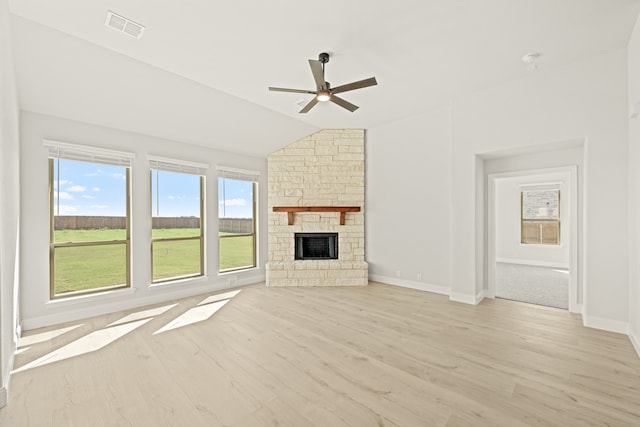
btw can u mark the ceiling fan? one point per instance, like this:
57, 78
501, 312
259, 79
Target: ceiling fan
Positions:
324, 92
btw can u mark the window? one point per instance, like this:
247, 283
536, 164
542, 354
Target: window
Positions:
177, 228
236, 215
89, 213
540, 216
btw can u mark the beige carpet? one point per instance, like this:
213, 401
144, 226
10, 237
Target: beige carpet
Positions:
532, 284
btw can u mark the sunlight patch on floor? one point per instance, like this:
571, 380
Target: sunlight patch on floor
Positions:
22, 350
87, 344
44, 336
219, 297
145, 314
196, 314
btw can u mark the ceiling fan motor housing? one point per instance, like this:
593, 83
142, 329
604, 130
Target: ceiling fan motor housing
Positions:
323, 57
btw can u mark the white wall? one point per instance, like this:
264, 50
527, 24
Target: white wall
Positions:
507, 219
586, 99
634, 189
36, 308
9, 205
408, 198
409, 183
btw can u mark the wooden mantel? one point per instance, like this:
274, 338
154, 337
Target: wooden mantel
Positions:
290, 210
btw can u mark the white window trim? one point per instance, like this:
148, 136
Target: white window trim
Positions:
173, 165
237, 173
85, 153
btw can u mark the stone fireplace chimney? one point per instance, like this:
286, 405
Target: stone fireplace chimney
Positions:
321, 172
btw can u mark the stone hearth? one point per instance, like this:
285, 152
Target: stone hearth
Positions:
323, 169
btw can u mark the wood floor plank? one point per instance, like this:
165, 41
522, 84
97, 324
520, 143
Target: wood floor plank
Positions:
365, 356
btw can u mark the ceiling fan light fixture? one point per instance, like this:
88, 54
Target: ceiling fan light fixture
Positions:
323, 96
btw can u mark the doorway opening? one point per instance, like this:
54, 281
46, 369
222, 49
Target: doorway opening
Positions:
532, 237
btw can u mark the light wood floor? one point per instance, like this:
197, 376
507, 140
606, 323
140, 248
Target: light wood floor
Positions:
368, 356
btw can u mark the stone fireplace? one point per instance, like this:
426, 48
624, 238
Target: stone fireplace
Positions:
316, 197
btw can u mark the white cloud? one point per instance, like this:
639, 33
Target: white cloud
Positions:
62, 195
62, 182
170, 197
99, 206
119, 175
66, 210
95, 189
87, 196
77, 188
234, 202
91, 174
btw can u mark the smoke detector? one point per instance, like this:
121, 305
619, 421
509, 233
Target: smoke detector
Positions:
530, 60
124, 25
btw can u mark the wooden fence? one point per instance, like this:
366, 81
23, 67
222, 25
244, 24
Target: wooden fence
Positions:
229, 225
236, 225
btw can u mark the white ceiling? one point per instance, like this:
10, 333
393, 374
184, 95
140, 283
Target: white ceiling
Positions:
201, 70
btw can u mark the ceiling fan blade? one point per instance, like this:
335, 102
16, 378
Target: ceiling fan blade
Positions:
282, 89
318, 74
310, 105
371, 81
344, 104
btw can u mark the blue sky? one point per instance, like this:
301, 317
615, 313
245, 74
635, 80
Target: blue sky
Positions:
235, 198
83, 188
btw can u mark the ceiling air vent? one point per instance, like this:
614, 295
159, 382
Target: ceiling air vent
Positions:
124, 25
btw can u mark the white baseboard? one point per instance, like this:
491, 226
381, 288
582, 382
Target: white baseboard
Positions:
251, 280
578, 308
437, 289
480, 296
466, 298
3, 397
635, 340
154, 297
533, 262
605, 324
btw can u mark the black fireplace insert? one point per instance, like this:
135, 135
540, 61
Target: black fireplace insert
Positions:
316, 246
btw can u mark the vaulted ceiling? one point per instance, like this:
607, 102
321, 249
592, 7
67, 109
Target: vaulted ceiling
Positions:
201, 70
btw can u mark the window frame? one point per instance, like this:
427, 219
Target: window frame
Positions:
227, 172
176, 239
524, 220
53, 245
254, 186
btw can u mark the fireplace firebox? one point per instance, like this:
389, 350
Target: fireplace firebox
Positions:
316, 246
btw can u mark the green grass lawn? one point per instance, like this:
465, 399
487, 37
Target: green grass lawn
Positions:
235, 252
91, 267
